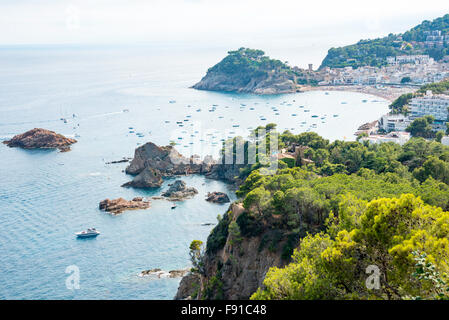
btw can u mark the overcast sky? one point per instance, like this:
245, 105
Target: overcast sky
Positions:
131, 21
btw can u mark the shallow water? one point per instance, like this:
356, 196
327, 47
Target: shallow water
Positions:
46, 196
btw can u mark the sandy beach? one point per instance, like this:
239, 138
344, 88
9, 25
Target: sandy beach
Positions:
387, 92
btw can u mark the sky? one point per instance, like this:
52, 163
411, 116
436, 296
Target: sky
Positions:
274, 24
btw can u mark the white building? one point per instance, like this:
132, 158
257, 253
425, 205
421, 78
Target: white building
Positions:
416, 59
434, 105
396, 137
394, 122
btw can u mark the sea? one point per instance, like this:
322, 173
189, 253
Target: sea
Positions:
112, 99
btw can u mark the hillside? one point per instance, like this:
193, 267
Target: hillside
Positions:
251, 71
429, 37
309, 232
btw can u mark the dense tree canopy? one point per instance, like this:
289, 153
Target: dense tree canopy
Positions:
382, 237
374, 52
350, 206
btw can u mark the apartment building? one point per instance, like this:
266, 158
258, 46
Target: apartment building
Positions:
434, 105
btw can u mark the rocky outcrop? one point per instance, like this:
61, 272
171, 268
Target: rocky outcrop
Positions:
250, 71
217, 197
267, 84
151, 163
229, 173
189, 287
236, 270
179, 191
159, 273
117, 206
38, 138
167, 160
147, 178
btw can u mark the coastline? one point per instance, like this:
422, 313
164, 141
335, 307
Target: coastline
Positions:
388, 92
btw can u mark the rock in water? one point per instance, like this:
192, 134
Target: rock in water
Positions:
148, 178
166, 159
179, 191
217, 197
159, 273
38, 138
117, 206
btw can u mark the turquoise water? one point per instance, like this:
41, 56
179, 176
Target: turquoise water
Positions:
46, 196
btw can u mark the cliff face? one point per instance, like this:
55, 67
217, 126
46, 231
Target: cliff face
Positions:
167, 160
234, 271
269, 83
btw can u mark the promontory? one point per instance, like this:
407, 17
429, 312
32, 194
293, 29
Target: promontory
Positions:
251, 71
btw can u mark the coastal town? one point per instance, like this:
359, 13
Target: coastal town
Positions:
401, 75
392, 127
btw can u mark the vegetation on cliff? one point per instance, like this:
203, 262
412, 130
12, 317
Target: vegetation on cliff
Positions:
250, 70
379, 238
374, 52
351, 205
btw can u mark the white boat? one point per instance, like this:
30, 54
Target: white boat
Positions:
91, 232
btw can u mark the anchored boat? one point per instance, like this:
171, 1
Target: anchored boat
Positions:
91, 232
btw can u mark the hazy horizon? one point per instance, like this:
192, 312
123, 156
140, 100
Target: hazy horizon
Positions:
300, 33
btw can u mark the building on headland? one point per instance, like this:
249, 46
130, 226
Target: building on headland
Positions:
415, 59
433, 105
396, 137
404, 70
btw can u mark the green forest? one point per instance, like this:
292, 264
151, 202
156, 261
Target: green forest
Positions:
374, 52
246, 64
349, 207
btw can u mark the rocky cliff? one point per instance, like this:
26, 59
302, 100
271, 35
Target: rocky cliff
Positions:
250, 71
151, 163
235, 265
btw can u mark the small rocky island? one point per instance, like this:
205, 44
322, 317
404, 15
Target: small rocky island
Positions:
117, 206
39, 138
217, 197
178, 191
251, 71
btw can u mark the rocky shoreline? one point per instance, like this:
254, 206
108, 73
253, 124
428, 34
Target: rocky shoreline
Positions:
152, 163
272, 84
160, 274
